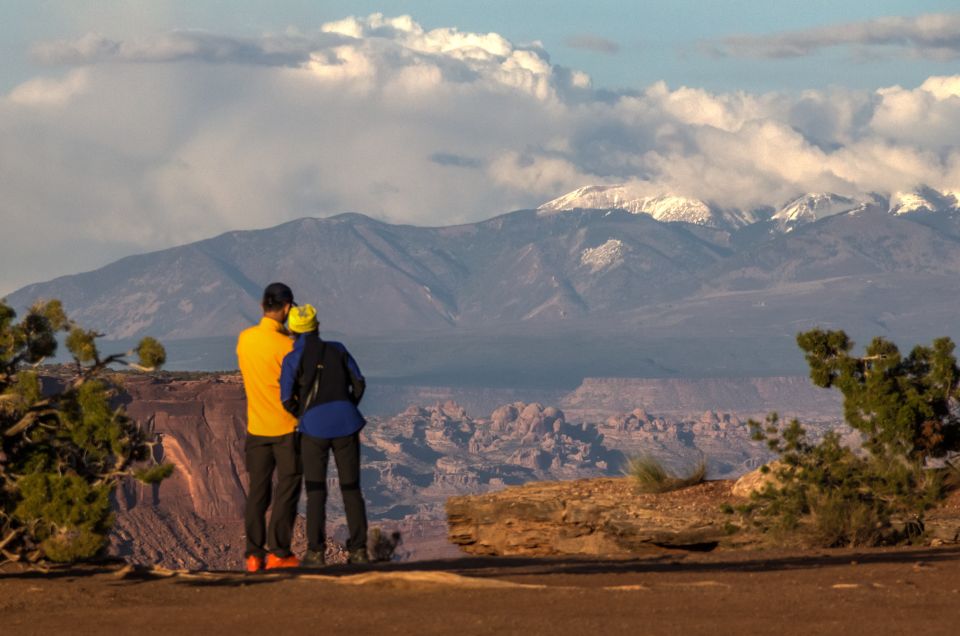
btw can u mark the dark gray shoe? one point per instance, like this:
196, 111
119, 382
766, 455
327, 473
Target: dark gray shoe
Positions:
313, 559
358, 556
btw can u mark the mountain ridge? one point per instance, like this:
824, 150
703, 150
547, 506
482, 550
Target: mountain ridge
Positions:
523, 293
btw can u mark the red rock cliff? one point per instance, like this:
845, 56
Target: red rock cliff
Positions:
194, 518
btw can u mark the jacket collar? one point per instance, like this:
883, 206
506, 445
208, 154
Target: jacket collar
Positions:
301, 338
273, 325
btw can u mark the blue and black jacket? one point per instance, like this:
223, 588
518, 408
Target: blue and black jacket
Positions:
321, 384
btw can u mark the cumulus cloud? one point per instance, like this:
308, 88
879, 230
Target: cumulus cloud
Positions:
934, 36
142, 144
595, 43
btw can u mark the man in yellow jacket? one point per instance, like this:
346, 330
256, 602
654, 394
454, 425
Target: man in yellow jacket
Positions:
272, 444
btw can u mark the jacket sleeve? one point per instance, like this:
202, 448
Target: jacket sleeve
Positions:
357, 382
290, 382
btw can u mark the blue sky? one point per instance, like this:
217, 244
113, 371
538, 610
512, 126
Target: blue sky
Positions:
657, 39
130, 126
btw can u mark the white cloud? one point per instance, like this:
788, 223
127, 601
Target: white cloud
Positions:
166, 139
539, 176
928, 116
52, 91
933, 35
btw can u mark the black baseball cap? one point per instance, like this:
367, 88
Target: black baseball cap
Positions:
276, 295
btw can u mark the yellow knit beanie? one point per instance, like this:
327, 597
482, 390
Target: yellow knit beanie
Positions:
302, 319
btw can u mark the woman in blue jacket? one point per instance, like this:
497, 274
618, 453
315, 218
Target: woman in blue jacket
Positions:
321, 384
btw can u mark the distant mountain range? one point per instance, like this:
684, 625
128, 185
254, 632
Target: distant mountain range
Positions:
649, 286
804, 209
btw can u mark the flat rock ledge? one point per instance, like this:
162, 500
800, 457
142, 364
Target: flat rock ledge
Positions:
610, 517
606, 516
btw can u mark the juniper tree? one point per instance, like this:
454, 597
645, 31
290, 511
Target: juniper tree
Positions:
905, 409
63, 451
904, 406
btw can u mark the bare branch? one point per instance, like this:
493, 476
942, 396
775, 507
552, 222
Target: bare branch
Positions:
134, 365
25, 422
13, 534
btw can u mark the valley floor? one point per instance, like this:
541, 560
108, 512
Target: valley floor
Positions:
828, 592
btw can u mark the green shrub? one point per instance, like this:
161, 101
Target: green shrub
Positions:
828, 495
63, 452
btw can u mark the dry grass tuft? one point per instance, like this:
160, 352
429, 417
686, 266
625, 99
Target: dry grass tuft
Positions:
651, 475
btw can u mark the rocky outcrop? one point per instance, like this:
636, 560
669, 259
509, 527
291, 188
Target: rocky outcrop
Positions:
609, 517
756, 480
597, 516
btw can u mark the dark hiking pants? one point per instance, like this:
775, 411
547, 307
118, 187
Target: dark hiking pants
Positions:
346, 454
264, 456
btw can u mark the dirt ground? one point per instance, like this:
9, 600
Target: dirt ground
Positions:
896, 591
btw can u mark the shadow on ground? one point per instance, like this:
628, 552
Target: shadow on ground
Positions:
518, 569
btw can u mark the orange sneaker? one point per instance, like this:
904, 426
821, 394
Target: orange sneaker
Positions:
253, 563
273, 562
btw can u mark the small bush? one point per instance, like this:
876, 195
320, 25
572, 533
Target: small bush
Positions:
839, 521
651, 476
383, 546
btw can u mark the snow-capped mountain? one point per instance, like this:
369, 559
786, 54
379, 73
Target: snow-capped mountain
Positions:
617, 293
923, 200
807, 208
668, 208
813, 207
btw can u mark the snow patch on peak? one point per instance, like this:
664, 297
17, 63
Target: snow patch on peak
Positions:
673, 208
910, 202
924, 199
662, 207
605, 256
812, 207
587, 197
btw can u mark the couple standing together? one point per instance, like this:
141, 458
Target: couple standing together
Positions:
302, 395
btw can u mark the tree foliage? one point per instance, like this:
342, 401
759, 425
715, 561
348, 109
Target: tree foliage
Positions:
905, 409
904, 406
64, 449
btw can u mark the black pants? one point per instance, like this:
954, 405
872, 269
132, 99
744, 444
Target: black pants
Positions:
346, 453
264, 455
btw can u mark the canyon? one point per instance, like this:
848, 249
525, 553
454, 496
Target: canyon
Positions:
424, 454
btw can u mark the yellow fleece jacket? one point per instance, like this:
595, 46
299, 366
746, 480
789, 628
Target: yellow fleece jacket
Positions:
260, 352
